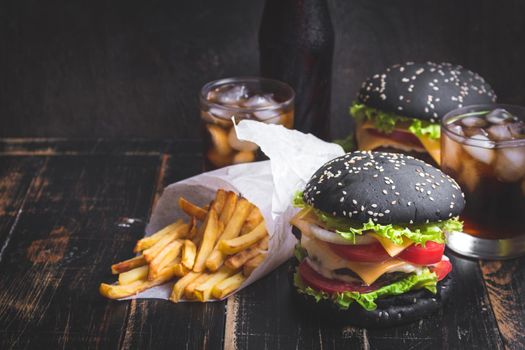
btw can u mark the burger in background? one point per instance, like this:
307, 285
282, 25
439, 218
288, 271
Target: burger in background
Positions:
401, 107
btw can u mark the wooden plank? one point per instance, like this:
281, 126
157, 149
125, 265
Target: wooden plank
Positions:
61, 146
264, 316
465, 322
505, 281
161, 324
62, 246
16, 176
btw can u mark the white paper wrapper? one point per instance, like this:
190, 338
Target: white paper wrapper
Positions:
270, 185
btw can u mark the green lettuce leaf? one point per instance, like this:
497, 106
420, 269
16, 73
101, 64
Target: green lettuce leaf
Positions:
299, 252
419, 234
421, 128
386, 122
425, 279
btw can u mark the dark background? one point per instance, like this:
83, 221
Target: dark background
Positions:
134, 68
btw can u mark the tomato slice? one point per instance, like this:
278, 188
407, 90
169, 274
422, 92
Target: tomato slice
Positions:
431, 253
401, 136
442, 269
373, 252
317, 281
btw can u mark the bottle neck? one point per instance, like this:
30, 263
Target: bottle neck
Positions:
293, 21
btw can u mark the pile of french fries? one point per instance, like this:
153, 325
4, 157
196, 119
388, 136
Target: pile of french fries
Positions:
211, 254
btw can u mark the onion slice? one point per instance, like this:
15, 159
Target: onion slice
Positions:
332, 237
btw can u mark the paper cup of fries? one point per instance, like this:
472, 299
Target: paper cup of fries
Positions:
215, 233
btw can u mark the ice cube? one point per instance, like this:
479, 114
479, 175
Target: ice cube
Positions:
510, 163
470, 122
499, 116
517, 130
260, 101
456, 129
481, 149
221, 113
209, 117
232, 94
474, 132
270, 116
499, 132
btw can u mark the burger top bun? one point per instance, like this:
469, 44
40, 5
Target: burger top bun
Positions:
388, 188
425, 90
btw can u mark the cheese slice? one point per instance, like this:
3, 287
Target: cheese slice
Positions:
368, 272
391, 248
368, 141
303, 219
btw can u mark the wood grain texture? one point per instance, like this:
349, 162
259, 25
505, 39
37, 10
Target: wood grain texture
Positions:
154, 324
505, 281
62, 246
264, 316
16, 177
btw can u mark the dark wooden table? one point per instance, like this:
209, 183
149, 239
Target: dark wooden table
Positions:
60, 201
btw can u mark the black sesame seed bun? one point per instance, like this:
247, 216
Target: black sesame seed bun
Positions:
391, 311
425, 91
388, 188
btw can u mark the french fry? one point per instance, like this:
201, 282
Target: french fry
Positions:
128, 277
180, 285
229, 207
127, 265
179, 232
237, 260
254, 219
232, 230
228, 285
219, 201
169, 253
116, 291
149, 241
252, 264
193, 228
189, 253
211, 232
190, 288
203, 291
192, 209
235, 245
180, 270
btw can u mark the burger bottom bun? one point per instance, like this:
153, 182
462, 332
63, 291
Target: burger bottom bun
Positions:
391, 311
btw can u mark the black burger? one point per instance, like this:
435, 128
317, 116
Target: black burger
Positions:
372, 238
401, 107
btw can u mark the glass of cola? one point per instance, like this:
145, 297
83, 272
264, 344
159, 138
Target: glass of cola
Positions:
222, 101
483, 149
